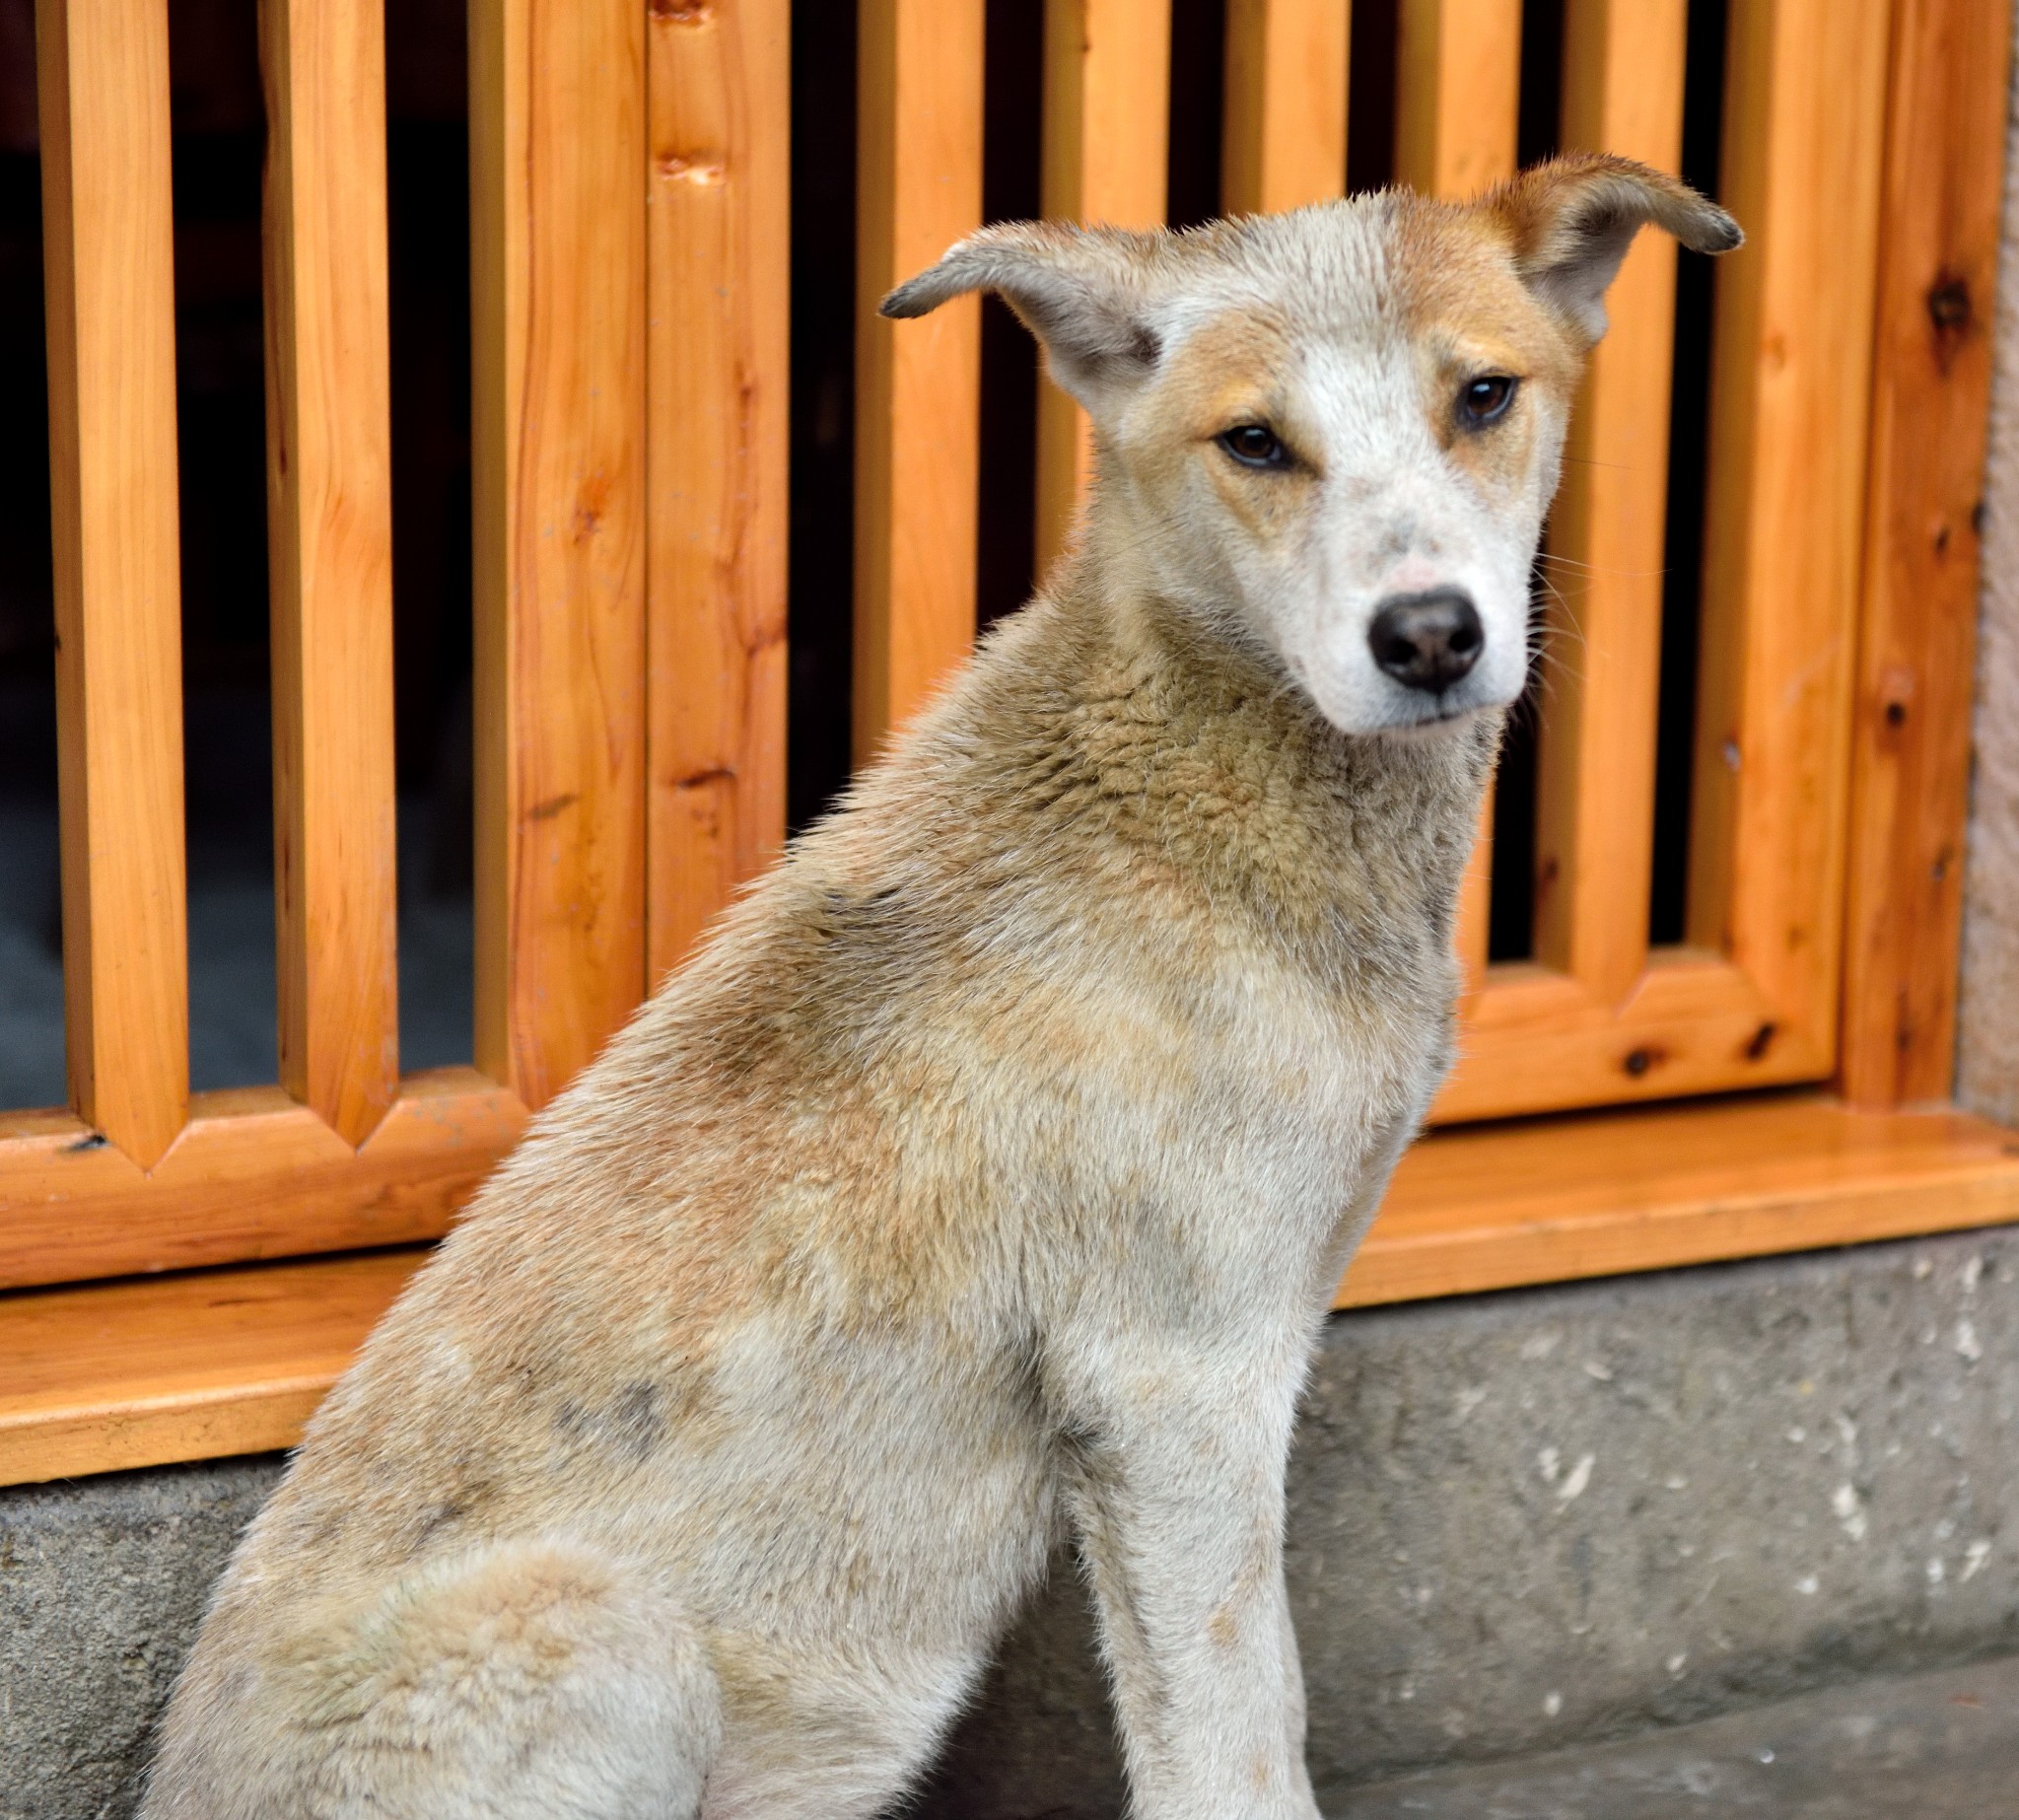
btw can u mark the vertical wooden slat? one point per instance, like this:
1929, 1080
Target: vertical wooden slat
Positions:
1458, 94
1622, 92
1472, 929
108, 265
1910, 736
558, 250
1283, 142
720, 98
1457, 101
1106, 150
329, 515
918, 388
1784, 539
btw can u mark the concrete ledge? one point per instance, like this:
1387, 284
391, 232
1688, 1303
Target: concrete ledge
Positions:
1519, 1523
102, 1584
1942, 1746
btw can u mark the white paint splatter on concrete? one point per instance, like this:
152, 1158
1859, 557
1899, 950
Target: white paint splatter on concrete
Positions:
1966, 1342
1974, 1557
1850, 1510
1807, 1585
1581, 1477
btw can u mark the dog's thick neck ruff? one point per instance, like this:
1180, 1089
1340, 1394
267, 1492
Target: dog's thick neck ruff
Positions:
1132, 735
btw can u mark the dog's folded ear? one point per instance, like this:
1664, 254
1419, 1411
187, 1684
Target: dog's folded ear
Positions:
1572, 219
1083, 292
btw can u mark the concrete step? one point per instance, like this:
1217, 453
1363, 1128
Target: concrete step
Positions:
1941, 1746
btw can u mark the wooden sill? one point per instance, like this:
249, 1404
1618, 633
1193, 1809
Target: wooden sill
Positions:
1598, 1194
100, 1376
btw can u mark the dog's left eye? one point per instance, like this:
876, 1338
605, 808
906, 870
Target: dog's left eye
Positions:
1486, 399
1254, 445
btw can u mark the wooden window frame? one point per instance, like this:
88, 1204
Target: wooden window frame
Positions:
621, 805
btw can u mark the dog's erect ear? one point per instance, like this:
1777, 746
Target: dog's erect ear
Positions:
1083, 292
1572, 219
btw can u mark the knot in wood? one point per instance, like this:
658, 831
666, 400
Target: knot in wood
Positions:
703, 168
1949, 306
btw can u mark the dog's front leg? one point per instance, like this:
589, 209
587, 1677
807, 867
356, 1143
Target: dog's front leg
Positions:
1179, 1495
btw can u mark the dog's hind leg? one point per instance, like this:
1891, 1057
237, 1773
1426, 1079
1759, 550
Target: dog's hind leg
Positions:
522, 1681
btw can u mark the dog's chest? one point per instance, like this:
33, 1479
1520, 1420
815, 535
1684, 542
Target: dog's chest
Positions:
1212, 1075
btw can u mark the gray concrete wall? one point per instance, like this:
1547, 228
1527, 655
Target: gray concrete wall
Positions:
101, 1583
1518, 1521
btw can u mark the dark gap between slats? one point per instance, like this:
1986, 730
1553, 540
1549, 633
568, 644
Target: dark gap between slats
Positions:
1689, 451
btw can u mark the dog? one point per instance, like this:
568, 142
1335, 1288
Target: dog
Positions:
983, 1181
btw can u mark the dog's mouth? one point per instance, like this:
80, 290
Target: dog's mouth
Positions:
1438, 721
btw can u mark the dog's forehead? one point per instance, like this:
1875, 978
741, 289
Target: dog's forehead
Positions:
1369, 278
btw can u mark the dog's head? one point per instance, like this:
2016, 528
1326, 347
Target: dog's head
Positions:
1333, 434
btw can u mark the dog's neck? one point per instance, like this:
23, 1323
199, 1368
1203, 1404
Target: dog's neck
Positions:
1127, 726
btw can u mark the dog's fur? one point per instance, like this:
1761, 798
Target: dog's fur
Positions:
986, 1174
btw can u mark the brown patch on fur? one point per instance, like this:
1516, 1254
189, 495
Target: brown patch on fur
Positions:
1469, 315
1234, 371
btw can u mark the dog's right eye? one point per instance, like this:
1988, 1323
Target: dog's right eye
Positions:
1485, 400
1254, 445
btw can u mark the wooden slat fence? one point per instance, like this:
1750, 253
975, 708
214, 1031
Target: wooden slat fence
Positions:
330, 489
918, 395
104, 80
630, 220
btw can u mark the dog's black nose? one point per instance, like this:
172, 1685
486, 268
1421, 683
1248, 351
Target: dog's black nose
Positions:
1428, 641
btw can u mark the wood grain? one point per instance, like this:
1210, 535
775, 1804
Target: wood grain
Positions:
1594, 1196
1917, 649
1534, 1040
253, 1175
1458, 94
194, 1367
1622, 92
558, 306
1751, 1001
102, 81
1784, 539
1106, 148
1284, 136
917, 384
329, 541
115, 1375
717, 366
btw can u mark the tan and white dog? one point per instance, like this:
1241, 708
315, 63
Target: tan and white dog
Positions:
985, 1176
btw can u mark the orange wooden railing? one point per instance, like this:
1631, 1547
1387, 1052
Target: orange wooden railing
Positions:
630, 601
629, 219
